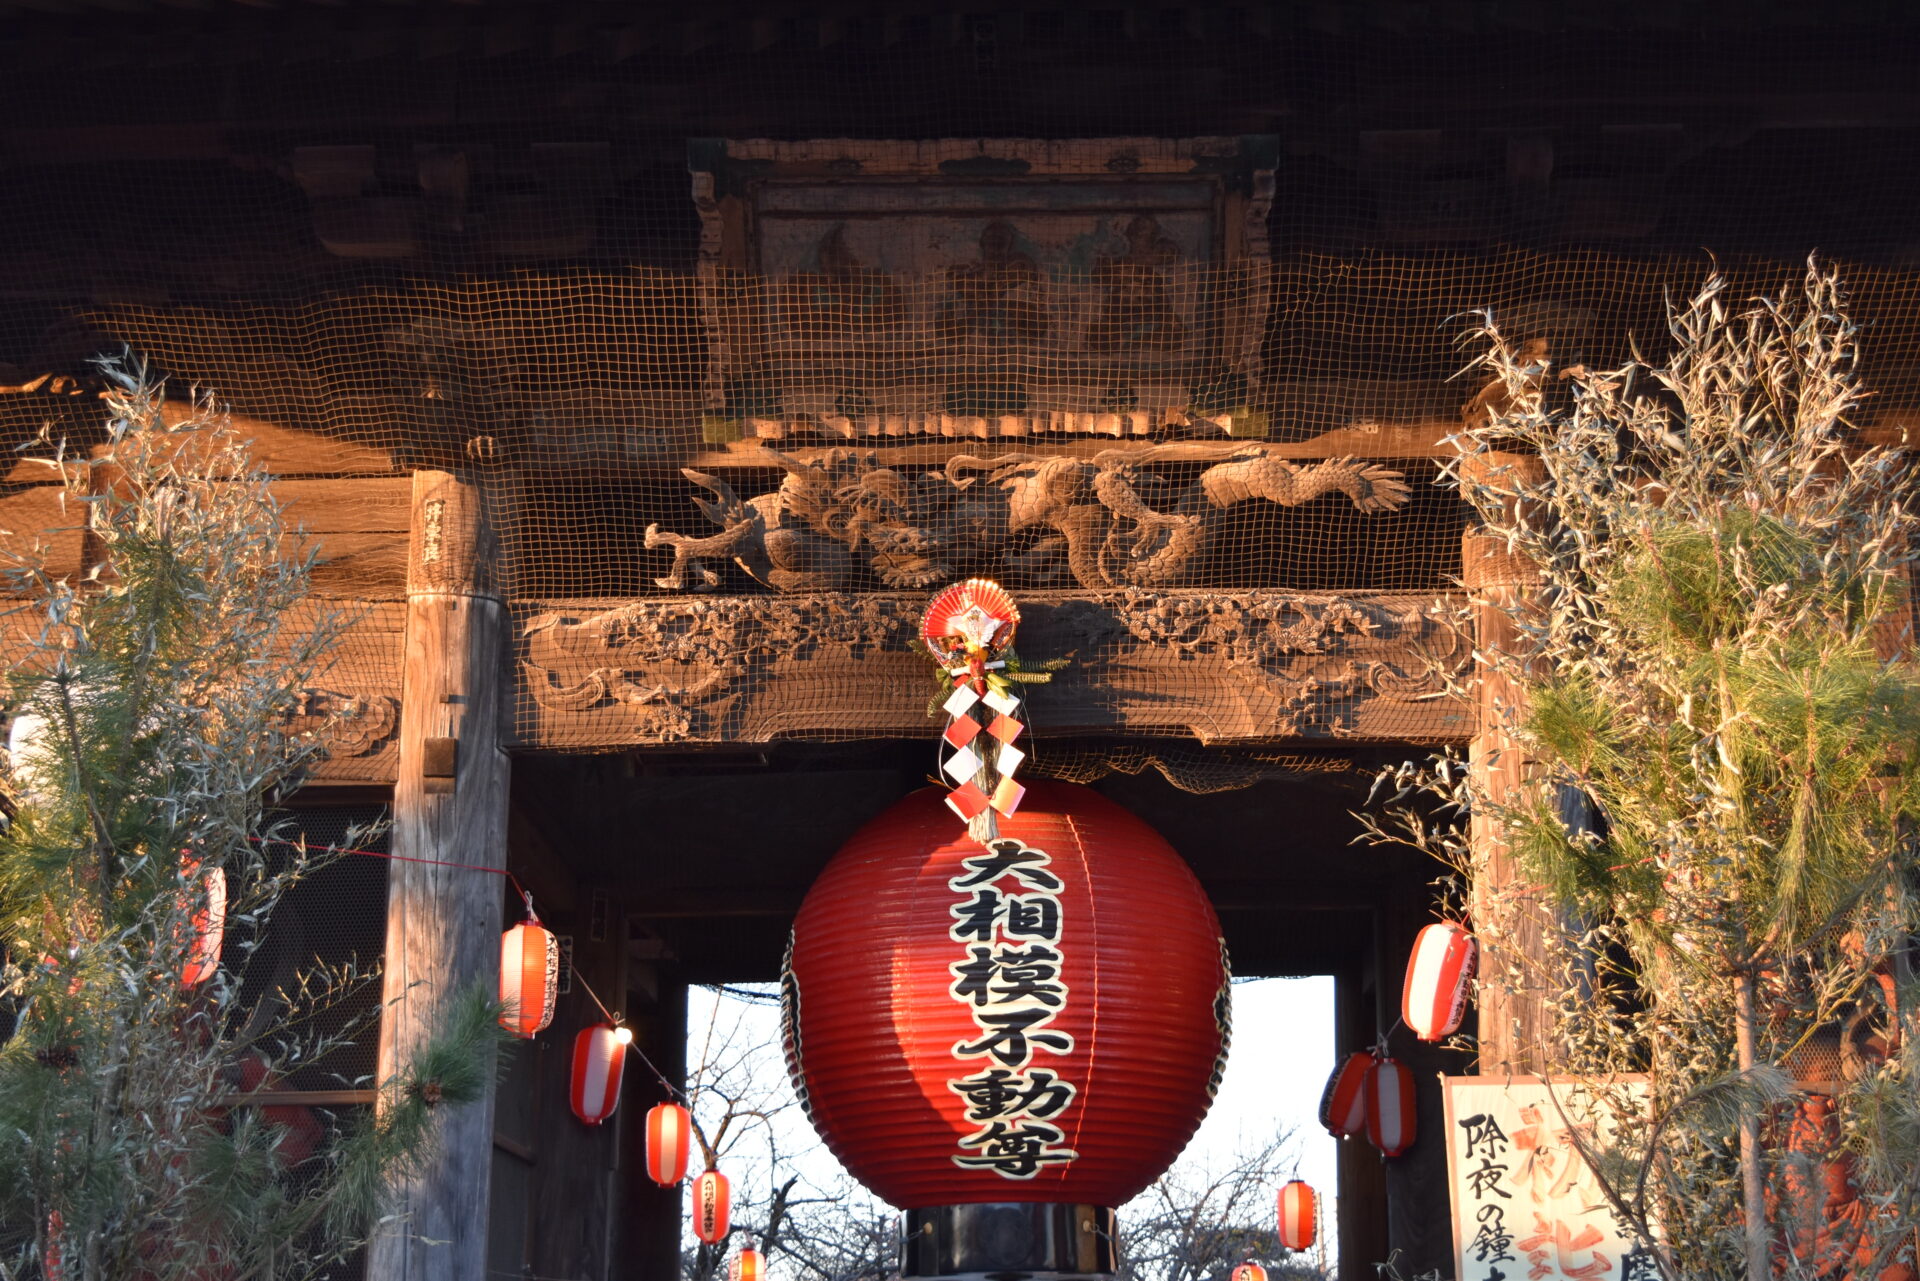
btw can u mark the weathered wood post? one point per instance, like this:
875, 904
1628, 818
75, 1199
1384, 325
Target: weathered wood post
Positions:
1510, 922
449, 804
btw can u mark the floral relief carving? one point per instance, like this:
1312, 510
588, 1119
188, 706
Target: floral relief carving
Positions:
674, 669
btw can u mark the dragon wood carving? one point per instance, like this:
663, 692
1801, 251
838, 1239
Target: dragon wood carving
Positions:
1123, 518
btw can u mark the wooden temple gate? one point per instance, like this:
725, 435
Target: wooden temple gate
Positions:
684, 860
634, 441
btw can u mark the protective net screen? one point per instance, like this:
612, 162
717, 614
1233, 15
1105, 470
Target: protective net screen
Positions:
761, 323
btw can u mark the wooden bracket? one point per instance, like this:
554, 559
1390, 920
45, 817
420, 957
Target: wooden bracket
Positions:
438, 759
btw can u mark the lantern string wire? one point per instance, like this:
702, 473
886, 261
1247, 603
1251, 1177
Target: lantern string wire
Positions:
611, 1017
519, 889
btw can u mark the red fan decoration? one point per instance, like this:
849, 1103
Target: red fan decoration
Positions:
1439, 981
1297, 1213
599, 1053
1249, 1271
1343, 1104
669, 1140
529, 976
942, 999
968, 628
208, 921
748, 1265
712, 1204
1390, 1108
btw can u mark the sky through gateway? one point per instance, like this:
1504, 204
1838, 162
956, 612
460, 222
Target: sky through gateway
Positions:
1283, 1048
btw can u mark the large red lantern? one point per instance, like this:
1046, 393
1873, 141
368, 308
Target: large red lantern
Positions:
599, 1054
529, 976
748, 1265
712, 1207
1297, 1211
1439, 980
669, 1141
1031, 1026
1343, 1104
1390, 1109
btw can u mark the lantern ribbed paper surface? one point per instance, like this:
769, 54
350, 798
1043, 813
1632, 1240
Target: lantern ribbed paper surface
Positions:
748, 1265
1390, 1109
1343, 1104
1297, 1216
1249, 1271
669, 1141
529, 977
943, 1000
712, 1206
599, 1054
1433, 1000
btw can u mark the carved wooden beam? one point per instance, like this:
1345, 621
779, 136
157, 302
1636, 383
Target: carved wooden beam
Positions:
1246, 667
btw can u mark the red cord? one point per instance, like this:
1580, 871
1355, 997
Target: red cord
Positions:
408, 858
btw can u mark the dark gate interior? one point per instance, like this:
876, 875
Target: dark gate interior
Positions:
690, 869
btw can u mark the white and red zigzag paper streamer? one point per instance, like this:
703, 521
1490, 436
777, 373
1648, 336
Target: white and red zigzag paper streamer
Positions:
967, 628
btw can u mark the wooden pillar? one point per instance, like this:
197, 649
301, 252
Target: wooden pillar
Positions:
1419, 1214
1362, 1189
449, 804
1511, 924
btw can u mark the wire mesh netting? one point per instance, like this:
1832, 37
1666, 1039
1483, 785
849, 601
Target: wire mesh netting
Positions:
1149, 307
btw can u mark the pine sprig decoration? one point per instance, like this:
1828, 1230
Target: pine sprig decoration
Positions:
1717, 829
155, 695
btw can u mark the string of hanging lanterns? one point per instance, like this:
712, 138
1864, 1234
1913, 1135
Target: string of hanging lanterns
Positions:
1370, 1092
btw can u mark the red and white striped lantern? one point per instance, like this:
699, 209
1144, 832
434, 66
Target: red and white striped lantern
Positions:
50, 1262
1297, 1213
669, 1140
1439, 981
1249, 1271
529, 976
1390, 1109
1343, 1104
208, 922
748, 1265
712, 1206
599, 1053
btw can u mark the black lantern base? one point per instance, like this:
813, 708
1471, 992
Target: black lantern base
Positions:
1007, 1241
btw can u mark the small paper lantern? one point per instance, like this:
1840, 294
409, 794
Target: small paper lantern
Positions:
1296, 1216
748, 1265
1249, 1271
1439, 981
599, 1053
208, 923
529, 976
669, 1137
1390, 1114
1343, 1104
50, 1264
712, 1204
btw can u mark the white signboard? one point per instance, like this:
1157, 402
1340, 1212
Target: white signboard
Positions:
1525, 1205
